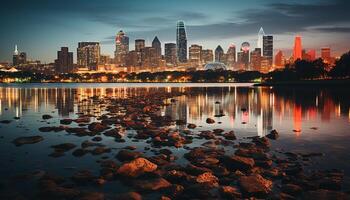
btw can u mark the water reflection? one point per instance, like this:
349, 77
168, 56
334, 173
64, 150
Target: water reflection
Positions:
258, 109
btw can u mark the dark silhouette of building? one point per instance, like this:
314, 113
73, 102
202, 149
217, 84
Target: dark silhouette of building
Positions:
157, 46
170, 53
181, 42
268, 49
219, 54
139, 44
19, 58
149, 57
64, 61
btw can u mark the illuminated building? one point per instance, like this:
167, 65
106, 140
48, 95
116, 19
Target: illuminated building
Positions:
244, 56
64, 61
261, 35
121, 48
279, 59
19, 58
297, 52
255, 59
149, 57
105, 59
181, 42
88, 54
231, 56
139, 44
219, 54
170, 53
311, 54
265, 65
195, 52
268, 49
157, 46
134, 59
326, 54
207, 56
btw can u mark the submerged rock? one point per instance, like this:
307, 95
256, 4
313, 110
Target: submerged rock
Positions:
45, 117
27, 140
273, 135
210, 121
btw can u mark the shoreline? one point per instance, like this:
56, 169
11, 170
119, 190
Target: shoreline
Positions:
311, 83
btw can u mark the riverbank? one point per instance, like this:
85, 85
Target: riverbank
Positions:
322, 83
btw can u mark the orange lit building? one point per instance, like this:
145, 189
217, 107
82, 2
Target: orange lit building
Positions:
297, 53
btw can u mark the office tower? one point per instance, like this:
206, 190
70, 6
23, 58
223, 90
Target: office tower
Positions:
326, 54
265, 66
195, 55
261, 35
170, 53
19, 58
64, 61
105, 59
268, 48
181, 42
255, 59
134, 59
279, 59
231, 56
149, 57
139, 44
219, 54
297, 52
121, 48
88, 54
207, 56
245, 48
311, 55
157, 46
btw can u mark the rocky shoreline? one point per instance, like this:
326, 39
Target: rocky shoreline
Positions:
222, 167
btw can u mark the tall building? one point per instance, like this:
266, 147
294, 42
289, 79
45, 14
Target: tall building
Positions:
139, 44
255, 59
157, 46
244, 56
64, 61
279, 59
181, 42
19, 58
297, 52
195, 55
326, 54
207, 56
231, 56
149, 57
121, 48
134, 59
261, 35
219, 54
170, 53
105, 59
311, 54
268, 48
88, 54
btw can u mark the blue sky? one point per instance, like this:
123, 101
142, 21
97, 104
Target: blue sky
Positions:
41, 27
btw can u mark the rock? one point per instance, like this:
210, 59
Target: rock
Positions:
113, 133
97, 127
64, 147
291, 189
151, 184
273, 135
208, 178
50, 190
230, 192
45, 117
210, 121
92, 196
136, 167
83, 177
5, 121
191, 126
97, 139
79, 152
238, 163
129, 196
50, 129
325, 195
100, 150
230, 135
27, 140
124, 155
255, 185
66, 121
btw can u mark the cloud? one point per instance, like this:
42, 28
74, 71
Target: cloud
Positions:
335, 29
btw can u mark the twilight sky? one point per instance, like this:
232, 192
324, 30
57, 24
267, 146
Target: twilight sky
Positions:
41, 27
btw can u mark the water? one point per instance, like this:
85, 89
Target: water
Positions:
308, 120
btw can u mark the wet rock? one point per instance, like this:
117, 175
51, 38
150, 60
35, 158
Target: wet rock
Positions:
5, 121
255, 185
210, 121
325, 195
261, 142
79, 152
45, 117
273, 135
129, 196
191, 126
92, 196
66, 121
230, 135
238, 163
124, 155
100, 150
51, 129
208, 178
97, 139
64, 147
113, 133
97, 127
50, 190
27, 140
291, 189
151, 184
136, 167
230, 192
83, 177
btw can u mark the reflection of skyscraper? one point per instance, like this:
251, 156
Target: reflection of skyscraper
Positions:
121, 48
181, 42
65, 101
297, 119
297, 52
265, 114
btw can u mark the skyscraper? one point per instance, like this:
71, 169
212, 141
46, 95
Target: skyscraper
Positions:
268, 49
157, 46
19, 57
326, 54
279, 59
297, 52
219, 54
207, 56
139, 44
195, 52
311, 54
261, 35
181, 42
64, 61
149, 57
255, 59
121, 48
231, 56
244, 56
170, 53
88, 54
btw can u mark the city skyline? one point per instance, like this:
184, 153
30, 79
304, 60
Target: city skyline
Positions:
206, 27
